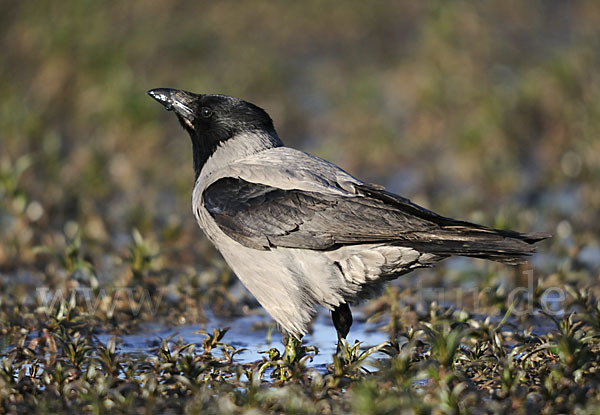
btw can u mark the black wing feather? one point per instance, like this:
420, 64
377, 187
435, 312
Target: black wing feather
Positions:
261, 217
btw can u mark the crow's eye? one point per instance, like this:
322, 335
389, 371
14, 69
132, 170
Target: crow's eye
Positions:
206, 112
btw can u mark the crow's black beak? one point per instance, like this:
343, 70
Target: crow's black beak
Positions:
182, 102
163, 96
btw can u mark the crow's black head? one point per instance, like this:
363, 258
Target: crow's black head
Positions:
213, 119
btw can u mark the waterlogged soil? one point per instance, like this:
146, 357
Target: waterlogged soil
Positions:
253, 333
469, 335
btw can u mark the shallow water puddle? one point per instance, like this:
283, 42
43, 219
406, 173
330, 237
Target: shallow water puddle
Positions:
243, 334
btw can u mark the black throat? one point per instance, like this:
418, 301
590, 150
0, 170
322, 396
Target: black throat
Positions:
203, 146
201, 153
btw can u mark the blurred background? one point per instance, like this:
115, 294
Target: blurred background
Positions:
486, 111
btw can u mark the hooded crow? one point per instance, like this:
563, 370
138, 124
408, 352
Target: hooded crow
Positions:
300, 232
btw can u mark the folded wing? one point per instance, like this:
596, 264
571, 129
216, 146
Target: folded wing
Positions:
263, 217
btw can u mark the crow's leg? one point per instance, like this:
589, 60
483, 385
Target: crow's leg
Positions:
285, 337
342, 319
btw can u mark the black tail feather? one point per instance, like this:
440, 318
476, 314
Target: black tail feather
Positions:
504, 246
456, 237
